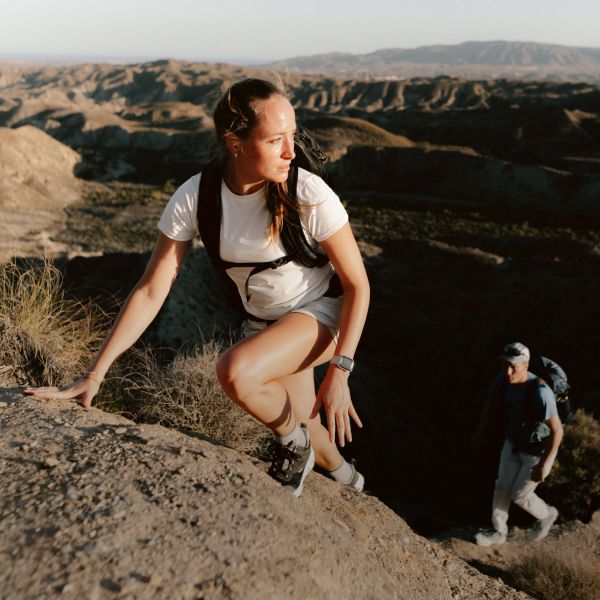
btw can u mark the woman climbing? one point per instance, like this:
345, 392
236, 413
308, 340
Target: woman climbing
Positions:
282, 237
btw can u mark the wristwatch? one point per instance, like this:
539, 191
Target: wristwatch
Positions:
343, 362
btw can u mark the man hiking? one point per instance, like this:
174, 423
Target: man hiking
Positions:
533, 435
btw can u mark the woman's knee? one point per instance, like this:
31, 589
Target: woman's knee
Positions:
236, 375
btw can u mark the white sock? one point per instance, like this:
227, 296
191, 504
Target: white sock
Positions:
297, 435
343, 474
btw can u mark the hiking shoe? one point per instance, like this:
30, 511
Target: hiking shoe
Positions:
292, 463
489, 537
541, 527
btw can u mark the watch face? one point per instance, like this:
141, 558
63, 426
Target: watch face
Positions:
344, 362
347, 363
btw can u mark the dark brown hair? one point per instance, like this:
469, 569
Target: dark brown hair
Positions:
236, 113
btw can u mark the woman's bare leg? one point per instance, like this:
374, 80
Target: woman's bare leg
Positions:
250, 372
300, 388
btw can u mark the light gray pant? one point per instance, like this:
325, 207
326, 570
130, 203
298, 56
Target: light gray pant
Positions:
514, 483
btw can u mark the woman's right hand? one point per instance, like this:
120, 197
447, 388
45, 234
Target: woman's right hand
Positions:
83, 391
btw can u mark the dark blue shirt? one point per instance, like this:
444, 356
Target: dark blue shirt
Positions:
544, 401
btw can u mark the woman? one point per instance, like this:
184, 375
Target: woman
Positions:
294, 324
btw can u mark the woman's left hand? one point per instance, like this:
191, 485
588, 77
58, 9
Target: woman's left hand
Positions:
334, 395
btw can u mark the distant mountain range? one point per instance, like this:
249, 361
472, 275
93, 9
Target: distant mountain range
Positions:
475, 60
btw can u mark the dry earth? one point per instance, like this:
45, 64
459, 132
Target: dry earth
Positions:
96, 506
36, 183
569, 540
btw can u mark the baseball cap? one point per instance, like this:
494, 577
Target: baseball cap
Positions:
515, 354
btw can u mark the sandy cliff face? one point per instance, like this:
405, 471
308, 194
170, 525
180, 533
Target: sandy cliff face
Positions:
36, 183
93, 505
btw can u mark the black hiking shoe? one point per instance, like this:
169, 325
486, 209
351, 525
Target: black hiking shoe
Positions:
292, 463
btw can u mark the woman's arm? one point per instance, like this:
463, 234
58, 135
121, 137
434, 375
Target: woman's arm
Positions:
140, 308
342, 250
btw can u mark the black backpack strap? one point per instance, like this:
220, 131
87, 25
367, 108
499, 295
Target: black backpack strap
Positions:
209, 211
530, 412
292, 233
257, 267
209, 227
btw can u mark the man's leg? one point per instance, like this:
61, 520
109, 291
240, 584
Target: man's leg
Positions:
508, 471
523, 489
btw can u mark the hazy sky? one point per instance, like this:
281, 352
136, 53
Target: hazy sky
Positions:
273, 29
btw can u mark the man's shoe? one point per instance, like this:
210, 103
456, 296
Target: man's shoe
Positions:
541, 527
489, 537
292, 463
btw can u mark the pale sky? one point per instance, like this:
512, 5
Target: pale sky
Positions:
255, 30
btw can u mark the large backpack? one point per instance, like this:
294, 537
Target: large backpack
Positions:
554, 376
307, 156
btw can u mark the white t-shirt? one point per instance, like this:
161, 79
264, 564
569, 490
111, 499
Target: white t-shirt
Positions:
244, 238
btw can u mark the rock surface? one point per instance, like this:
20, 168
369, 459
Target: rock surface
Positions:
96, 506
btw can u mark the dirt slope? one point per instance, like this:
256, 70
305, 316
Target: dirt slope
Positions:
574, 540
36, 183
95, 506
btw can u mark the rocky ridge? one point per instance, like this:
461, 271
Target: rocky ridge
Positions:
96, 505
482, 60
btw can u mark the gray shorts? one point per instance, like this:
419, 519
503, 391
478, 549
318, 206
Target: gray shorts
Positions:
325, 310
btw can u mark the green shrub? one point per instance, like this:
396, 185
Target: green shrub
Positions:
546, 575
574, 484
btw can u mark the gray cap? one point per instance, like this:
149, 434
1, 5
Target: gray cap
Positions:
515, 354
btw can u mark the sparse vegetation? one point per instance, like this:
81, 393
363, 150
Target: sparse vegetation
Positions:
44, 337
575, 482
546, 575
115, 216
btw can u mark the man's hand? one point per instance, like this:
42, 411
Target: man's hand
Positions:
537, 472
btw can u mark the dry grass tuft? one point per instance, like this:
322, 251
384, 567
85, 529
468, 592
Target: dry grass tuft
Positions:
185, 394
546, 575
44, 337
